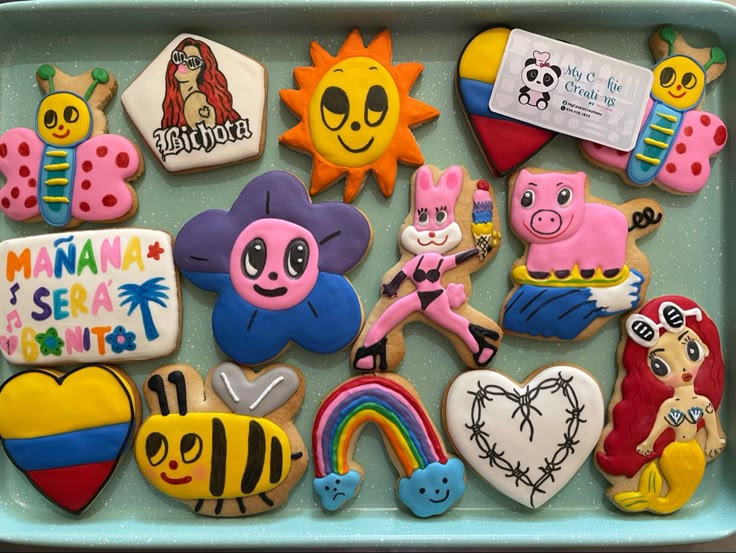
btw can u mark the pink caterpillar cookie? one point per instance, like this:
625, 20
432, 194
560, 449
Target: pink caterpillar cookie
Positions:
66, 170
676, 138
663, 418
581, 265
431, 281
227, 446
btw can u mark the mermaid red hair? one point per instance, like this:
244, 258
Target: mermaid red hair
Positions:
642, 393
212, 83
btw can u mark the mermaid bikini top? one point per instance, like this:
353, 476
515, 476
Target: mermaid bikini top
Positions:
676, 417
433, 275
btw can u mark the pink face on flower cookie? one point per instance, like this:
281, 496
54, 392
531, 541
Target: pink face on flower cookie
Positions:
274, 264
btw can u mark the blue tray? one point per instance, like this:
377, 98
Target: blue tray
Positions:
689, 255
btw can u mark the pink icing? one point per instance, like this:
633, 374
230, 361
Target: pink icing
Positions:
282, 281
19, 195
591, 235
431, 198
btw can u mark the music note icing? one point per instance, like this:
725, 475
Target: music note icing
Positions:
13, 320
14, 290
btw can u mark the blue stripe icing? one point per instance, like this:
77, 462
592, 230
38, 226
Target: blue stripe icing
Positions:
92, 445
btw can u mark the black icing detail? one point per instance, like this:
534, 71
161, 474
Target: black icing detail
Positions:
526, 410
219, 458
277, 460
156, 384
642, 219
643, 330
156, 443
673, 316
177, 379
256, 457
335, 101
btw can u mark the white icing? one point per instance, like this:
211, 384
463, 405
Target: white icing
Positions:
265, 392
418, 241
502, 419
621, 297
246, 82
95, 291
229, 388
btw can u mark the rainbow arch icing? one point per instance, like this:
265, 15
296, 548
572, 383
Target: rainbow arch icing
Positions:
431, 481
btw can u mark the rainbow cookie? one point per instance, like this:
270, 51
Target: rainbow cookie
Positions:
227, 446
430, 481
505, 142
277, 262
663, 418
199, 105
356, 114
448, 234
67, 170
581, 265
676, 139
67, 433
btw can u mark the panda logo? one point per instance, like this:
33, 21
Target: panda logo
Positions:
539, 77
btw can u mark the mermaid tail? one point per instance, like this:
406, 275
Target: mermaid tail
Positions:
682, 465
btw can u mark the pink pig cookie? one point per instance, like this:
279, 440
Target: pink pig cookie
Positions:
549, 211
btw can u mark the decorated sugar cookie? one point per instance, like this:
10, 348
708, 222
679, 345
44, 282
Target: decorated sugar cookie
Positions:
107, 295
199, 105
581, 265
356, 114
66, 169
677, 139
67, 432
226, 446
430, 480
450, 232
277, 262
527, 440
506, 143
663, 419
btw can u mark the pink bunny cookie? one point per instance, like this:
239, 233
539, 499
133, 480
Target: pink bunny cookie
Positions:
438, 255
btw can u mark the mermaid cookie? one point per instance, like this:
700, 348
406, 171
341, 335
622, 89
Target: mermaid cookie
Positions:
448, 234
663, 417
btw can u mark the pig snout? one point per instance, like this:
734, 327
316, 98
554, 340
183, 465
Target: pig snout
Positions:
546, 221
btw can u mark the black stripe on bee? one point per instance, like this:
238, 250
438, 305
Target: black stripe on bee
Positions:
277, 462
219, 458
256, 457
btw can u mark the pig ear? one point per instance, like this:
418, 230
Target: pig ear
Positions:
452, 178
579, 178
523, 176
424, 178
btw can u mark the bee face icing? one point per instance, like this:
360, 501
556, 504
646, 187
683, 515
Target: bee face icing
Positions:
63, 119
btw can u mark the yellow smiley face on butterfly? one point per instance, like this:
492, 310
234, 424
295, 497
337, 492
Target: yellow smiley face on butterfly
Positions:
679, 81
354, 112
63, 119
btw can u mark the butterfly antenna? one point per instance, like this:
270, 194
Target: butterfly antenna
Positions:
46, 72
99, 76
669, 35
717, 55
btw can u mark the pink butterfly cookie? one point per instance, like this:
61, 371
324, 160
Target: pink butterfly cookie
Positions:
67, 170
676, 139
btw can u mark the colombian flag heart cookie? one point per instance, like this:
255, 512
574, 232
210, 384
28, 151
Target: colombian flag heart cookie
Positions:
68, 432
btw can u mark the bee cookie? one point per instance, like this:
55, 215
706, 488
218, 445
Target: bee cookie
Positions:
66, 169
677, 139
68, 432
581, 265
527, 440
199, 105
356, 114
430, 480
227, 446
663, 419
107, 295
277, 262
450, 232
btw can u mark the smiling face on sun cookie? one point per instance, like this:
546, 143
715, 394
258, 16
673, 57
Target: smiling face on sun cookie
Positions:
274, 263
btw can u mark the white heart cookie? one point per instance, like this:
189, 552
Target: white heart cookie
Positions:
527, 440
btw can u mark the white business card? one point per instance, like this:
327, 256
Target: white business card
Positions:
571, 90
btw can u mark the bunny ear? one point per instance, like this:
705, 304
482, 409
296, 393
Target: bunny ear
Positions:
424, 178
256, 398
452, 178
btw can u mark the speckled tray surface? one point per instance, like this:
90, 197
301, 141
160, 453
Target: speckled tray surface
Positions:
689, 255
